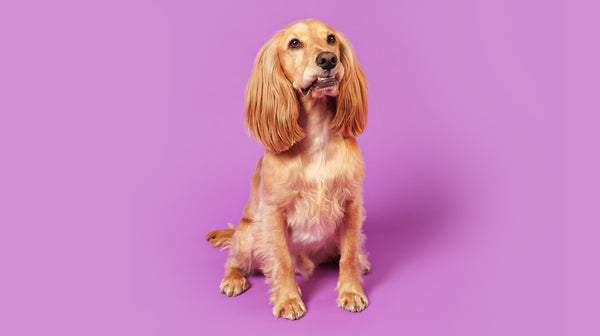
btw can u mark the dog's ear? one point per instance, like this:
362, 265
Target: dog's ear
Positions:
271, 103
351, 115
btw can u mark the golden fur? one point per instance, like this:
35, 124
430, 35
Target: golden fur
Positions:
305, 203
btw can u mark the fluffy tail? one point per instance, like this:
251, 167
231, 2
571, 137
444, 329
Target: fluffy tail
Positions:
221, 237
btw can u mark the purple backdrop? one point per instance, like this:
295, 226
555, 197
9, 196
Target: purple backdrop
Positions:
123, 144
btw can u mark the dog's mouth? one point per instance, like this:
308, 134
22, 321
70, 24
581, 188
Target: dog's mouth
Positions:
321, 84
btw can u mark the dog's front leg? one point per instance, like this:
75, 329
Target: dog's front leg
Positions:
351, 295
285, 293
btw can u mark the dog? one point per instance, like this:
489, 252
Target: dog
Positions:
306, 101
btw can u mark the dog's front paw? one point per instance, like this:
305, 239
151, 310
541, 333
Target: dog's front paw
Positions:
352, 301
234, 285
291, 309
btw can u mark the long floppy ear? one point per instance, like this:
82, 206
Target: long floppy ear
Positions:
351, 115
271, 103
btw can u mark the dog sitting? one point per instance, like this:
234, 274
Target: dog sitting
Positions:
306, 102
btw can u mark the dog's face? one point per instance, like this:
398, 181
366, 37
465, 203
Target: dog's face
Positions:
307, 60
309, 52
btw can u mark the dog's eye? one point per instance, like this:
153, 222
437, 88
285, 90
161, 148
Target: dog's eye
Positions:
295, 44
331, 39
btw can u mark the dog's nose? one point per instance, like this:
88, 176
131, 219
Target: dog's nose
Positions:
327, 60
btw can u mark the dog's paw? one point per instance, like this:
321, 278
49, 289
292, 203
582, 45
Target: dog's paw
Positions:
352, 301
234, 285
291, 309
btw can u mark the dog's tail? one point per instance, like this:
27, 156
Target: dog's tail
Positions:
221, 237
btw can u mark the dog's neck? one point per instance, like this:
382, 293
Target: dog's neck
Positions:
315, 116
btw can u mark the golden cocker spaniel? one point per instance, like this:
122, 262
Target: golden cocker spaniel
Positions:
305, 102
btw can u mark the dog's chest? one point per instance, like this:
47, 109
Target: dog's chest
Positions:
318, 205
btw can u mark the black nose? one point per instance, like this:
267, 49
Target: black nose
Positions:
327, 60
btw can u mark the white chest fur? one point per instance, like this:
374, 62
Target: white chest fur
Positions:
321, 191
315, 213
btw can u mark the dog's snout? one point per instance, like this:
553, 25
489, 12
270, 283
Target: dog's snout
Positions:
327, 60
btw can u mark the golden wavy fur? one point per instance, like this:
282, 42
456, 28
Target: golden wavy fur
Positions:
305, 102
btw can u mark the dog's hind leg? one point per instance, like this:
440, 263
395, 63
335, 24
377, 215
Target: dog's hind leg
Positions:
240, 241
234, 282
239, 262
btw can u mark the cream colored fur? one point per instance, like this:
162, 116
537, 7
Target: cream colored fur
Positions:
305, 203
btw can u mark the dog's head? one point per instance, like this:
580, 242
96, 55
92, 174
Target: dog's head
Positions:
307, 60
